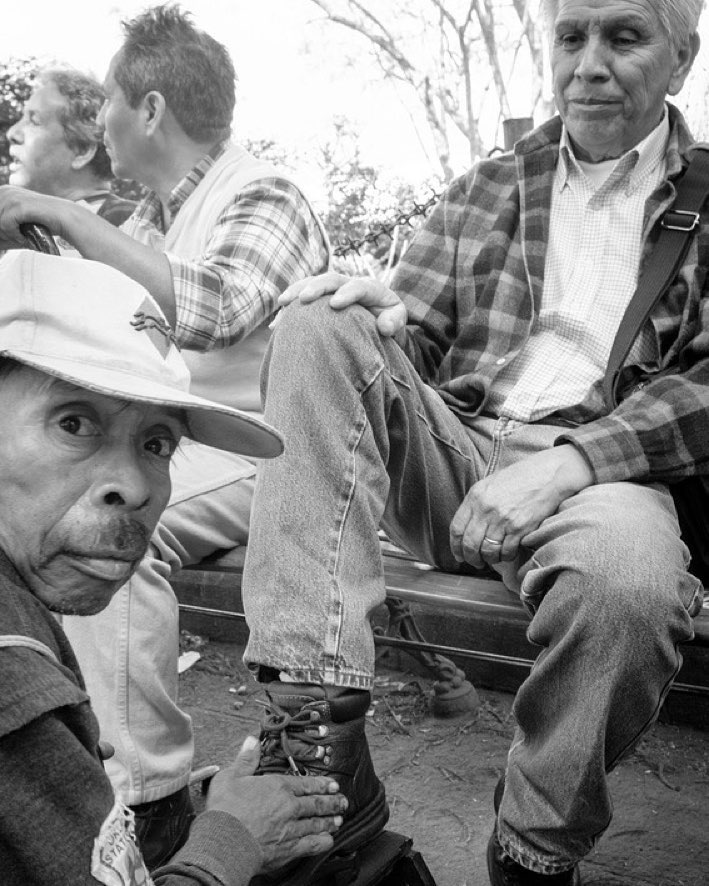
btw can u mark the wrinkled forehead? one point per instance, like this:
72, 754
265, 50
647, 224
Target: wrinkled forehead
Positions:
45, 99
109, 82
37, 383
597, 11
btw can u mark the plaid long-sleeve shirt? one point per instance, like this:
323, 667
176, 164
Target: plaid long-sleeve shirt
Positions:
266, 238
472, 282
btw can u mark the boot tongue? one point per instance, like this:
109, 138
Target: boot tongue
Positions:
293, 696
343, 704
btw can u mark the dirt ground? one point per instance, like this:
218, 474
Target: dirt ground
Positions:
440, 775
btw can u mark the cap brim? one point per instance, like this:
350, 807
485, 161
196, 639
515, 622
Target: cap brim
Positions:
207, 422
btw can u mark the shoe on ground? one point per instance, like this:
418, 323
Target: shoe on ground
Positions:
305, 731
504, 871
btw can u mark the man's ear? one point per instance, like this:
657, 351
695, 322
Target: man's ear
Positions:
684, 59
154, 108
83, 158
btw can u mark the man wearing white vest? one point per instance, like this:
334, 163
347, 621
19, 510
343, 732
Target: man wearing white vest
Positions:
218, 237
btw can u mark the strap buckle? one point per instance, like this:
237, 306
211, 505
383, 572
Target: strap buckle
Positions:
680, 220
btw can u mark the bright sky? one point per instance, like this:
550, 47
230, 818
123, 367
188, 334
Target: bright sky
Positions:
285, 92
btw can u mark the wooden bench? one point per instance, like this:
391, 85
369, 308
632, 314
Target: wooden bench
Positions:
458, 626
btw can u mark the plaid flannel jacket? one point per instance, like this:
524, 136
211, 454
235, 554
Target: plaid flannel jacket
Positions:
472, 282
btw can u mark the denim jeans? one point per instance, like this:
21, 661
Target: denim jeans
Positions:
163, 826
604, 579
128, 653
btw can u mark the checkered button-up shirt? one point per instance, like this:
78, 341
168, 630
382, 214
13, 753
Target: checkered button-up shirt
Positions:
473, 282
265, 239
591, 270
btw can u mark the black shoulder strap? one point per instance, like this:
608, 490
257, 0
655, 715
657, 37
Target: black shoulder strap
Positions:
677, 227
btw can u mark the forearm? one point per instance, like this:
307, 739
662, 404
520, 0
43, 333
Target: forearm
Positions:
220, 852
99, 240
93, 237
657, 434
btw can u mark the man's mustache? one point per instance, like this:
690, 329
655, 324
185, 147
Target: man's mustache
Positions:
122, 538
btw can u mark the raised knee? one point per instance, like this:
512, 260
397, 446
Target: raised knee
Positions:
316, 322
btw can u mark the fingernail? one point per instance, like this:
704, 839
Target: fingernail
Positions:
338, 820
250, 743
344, 804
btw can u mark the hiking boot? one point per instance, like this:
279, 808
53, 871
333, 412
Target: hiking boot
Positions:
504, 871
306, 730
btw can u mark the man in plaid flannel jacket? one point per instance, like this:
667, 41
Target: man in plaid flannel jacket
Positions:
461, 410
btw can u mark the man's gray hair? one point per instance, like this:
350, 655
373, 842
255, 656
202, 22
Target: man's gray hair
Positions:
83, 96
679, 18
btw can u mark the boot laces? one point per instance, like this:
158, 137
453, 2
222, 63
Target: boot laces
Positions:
289, 739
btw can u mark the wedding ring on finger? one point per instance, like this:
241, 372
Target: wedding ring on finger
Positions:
493, 542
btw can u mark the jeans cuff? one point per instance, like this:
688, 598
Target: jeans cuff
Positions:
532, 859
317, 675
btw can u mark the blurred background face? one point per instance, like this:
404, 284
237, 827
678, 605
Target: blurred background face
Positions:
41, 158
83, 481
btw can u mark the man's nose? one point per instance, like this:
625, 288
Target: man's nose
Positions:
122, 482
593, 61
101, 117
14, 133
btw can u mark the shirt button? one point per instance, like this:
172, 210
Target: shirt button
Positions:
500, 361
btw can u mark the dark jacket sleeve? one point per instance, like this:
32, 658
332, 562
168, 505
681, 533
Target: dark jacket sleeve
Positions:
55, 799
54, 795
659, 432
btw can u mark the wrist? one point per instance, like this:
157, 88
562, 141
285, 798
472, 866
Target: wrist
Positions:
574, 471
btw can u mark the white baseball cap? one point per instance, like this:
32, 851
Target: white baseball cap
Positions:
93, 326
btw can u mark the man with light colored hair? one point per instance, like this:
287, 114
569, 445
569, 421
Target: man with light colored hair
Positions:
56, 147
462, 410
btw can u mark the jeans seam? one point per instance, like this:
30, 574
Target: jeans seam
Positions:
351, 482
133, 767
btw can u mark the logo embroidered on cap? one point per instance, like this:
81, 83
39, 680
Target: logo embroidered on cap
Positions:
144, 322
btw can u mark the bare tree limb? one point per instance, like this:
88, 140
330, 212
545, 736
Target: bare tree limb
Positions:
451, 80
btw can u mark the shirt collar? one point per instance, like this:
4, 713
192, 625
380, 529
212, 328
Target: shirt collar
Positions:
185, 187
636, 163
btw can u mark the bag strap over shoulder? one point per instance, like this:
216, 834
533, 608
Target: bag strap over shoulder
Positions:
13, 640
677, 227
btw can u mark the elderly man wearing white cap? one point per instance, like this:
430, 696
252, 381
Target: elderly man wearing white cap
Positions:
94, 398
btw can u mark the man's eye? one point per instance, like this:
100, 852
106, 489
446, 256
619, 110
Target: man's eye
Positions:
625, 39
78, 426
163, 447
569, 41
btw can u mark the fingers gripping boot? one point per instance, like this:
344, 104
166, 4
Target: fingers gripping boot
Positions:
307, 731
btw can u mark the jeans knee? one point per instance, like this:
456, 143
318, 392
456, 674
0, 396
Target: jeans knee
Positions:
309, 329
612, 575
